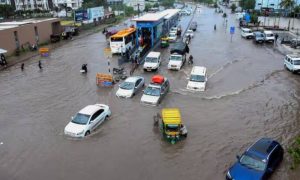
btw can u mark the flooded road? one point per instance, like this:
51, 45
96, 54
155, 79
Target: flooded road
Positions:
249, 96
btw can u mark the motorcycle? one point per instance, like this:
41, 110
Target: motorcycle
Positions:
84, 69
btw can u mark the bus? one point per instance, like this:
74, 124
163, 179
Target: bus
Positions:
122, 41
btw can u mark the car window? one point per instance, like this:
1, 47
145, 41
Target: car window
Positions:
274, 157
138, 82
97, 114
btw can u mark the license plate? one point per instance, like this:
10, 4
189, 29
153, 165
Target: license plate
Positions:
148, 69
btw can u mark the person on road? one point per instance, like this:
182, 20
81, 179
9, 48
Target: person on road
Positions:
40, 64
191, 60
215, 27
22, 66
276, 37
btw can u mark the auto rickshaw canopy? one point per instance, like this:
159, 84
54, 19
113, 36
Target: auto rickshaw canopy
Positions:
171, 116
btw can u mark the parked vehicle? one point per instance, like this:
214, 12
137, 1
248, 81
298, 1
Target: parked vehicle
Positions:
247, 33
269, 36
258, 162
259, 37
172, 37
156, 90
87, 120
193, 27
178, 56
189, 33
164, 42
185, 12
152, 61
295, 43
292, 62
130, 87
123, 41
197, 79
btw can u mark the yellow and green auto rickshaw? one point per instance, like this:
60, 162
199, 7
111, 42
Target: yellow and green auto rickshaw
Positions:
164, 42
171, 125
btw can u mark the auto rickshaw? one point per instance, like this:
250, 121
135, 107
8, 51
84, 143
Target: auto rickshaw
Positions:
164, 42
171, 126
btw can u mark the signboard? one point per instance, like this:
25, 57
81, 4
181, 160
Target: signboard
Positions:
232, 29
95, 13
247, 18
81, 15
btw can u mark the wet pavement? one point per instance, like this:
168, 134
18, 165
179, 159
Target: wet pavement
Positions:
249, 96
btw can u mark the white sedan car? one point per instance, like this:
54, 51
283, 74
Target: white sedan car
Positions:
130, 87
87, 120
189, 32
172, 37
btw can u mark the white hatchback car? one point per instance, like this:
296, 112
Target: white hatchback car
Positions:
152, 61
130, 87
189, 32
247, 33
172, 37
197, 79
87, 120
292, 62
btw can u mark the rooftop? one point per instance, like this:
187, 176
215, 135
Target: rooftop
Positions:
150, 17
89, 110
13, 24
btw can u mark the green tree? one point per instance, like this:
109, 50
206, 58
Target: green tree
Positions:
233, 7
93, 3
247, 4
287, 4
147, 7
6, 10
129, 11
167, 3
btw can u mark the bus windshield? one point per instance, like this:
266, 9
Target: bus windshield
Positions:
116, 39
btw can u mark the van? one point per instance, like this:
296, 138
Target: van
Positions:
197, 79
292, 62
247, 33
152, 61
269, 36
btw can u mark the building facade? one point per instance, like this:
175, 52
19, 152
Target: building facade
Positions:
43, 4
270, 4
136, 4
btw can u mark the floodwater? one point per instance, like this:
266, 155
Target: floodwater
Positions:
249, 96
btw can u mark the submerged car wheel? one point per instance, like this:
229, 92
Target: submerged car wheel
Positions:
87, 133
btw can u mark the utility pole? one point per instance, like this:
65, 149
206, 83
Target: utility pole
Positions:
294, 14
138, 5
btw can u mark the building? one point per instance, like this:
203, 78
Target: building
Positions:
270, 4
74, 4
17, 34
136, 4
114, 2
43, 4
4, 1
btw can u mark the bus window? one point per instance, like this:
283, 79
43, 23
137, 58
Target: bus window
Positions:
116, 39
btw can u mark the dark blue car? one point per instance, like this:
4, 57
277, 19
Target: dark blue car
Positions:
258, 162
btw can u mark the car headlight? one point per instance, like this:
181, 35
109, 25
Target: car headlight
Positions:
229, 175
81, 132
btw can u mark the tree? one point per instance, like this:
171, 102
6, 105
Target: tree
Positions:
6, 10
129, 10
167, 3
93, 3
233, 7
288, 4
147, 7
247, 4
13, 4
50, 4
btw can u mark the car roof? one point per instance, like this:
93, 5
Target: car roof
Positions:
132, 79
257, 32
263, 147
199, 70
268, 32
153, 54
246, 29
294, 56
90, 109
151, 84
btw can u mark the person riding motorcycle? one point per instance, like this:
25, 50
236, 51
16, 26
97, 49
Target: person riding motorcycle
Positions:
191, 60
84, 68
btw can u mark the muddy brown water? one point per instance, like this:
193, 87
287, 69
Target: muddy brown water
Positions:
249, 96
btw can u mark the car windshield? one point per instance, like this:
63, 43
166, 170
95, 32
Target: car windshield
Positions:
252, 163
172, 35
197, 78
175, 58
151, 59
127, 85
249, 31
152, 91
81, 119
172, 128
296, 62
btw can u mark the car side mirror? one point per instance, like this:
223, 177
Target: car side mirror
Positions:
72, 117
188, 78
238, 157
90, 122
